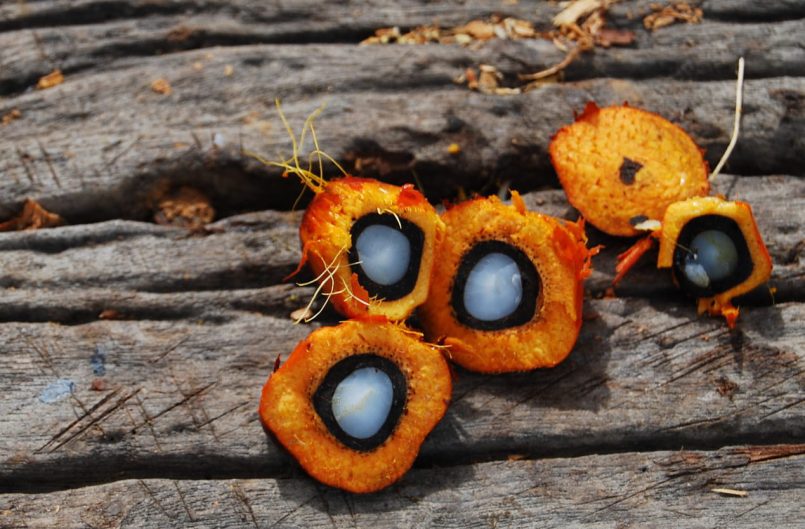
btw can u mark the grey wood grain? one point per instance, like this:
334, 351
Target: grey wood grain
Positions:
103, 145
705, 51
132, 355
72, 273
181, 395
370, 15
646, 489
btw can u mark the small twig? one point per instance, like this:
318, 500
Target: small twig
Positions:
736, 127
558, 67
731, 492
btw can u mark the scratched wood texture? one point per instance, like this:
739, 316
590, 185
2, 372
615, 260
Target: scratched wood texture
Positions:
615, 490
161, 428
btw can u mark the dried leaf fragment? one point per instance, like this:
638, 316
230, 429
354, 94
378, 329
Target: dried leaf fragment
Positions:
489, 78
666, 15
161, 86
476, 30
50, 80
187, 208
110, 314
10, 116
577, 10
607, 37
32, 217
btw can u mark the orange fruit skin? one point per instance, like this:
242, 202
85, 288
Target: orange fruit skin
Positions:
559, 253
286, 406
326, 240
618, 164
681, 213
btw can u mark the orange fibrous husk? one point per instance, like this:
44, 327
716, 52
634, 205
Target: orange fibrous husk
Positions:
620, 166
628, 259
558, 251
287, 410
681, 213
326, 239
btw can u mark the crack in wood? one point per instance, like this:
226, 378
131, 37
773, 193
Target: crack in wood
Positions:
86, 414
182, 401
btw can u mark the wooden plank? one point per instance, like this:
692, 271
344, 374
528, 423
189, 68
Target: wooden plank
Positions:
764, 487
104, 146
366, 16
705, 51
72, 273
180, 396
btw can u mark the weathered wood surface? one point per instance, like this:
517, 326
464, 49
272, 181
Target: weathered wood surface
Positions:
62, 271
643, 490
98, 146
181, 394
172, 419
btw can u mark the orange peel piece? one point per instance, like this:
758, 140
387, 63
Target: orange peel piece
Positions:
558, 251
620, 166
287, 409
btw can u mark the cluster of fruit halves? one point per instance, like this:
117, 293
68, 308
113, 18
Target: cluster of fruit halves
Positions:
497, 288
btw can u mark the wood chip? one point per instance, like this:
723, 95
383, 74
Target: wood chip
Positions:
50, 80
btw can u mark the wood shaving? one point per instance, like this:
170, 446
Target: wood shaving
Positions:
663, 16
32, 217
50, 80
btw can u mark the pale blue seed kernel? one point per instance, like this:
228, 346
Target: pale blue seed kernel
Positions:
494, 288
712, 257
362, 402
384, 253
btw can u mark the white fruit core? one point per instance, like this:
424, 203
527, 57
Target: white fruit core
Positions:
384, 253
494, 288
362, 402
